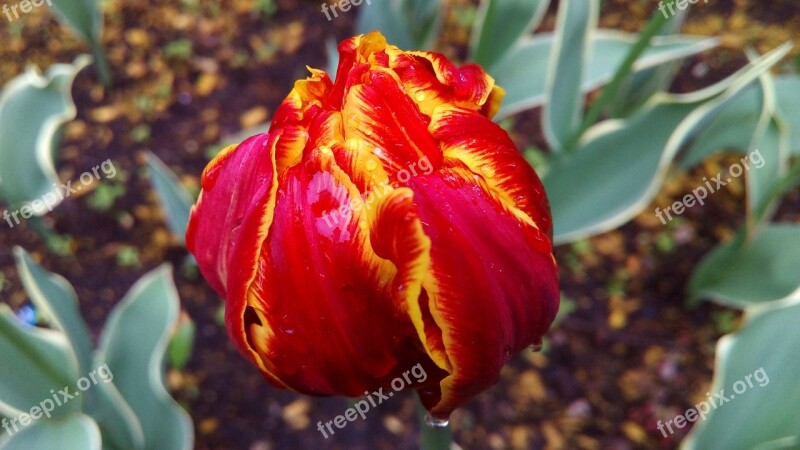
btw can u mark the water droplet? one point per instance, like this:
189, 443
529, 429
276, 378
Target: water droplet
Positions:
325, 150
372, 165
368, 131
435, 422
420, 96
536, 346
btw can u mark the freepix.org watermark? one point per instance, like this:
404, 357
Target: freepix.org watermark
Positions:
343, 6
361, 407
60, 398
671, 4
699, 411
25, 6
699, 194
59, 193
376, 192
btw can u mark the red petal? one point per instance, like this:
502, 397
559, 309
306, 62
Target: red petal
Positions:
493, 287
321, 313
490, 154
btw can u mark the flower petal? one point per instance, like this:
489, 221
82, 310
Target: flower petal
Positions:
489, 152
493, 286
320, 313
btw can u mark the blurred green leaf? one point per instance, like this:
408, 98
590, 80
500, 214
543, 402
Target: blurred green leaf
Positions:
523, 72
563, 111
500, 24
33, 109
133, 345
86, 19
175, 200
36, 361
742, 272
181, 344
757, 368
75, 431
408, 24
638, 155
55, 297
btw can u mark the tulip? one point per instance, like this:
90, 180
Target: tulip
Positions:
384, 222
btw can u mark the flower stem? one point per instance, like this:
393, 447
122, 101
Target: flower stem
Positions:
432, 438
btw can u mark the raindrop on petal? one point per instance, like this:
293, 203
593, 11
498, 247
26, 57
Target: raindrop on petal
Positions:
435, 422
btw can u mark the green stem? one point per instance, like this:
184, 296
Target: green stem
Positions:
101, 64
433, 438
657, 21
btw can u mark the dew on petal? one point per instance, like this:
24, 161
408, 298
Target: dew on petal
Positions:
435, 422
372, 165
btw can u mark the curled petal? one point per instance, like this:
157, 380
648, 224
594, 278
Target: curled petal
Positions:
492, 288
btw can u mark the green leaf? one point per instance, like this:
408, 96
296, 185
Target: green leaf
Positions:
55, 297
757, 367
500, 24
181, 344
523, 72
642, 86
86, 19
760, 133
76, 431
577, 22
36, 361
83, 16
620, 164
175, 200
408, 24
742, 272
133, 345
787, 88
33, 108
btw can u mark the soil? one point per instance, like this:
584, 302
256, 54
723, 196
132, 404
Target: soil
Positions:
188, 74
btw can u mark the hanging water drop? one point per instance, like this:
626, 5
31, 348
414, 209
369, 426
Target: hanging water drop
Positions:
435, 422
536, 346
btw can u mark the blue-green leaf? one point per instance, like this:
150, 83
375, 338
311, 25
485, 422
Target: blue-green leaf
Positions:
75, 431
408, 24
33, 108
83, 16
756, 371
36, 361
523, 72
133, 345
577, 21
763, 268
175, 200
620, 163
55, 297
500, 24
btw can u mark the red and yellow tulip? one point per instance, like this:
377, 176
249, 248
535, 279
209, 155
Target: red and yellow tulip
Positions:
383, 222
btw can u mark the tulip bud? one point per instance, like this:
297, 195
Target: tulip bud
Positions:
384, 224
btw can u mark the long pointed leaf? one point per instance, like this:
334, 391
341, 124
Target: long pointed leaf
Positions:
500, 24
133, 345
523, 72
577, 21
